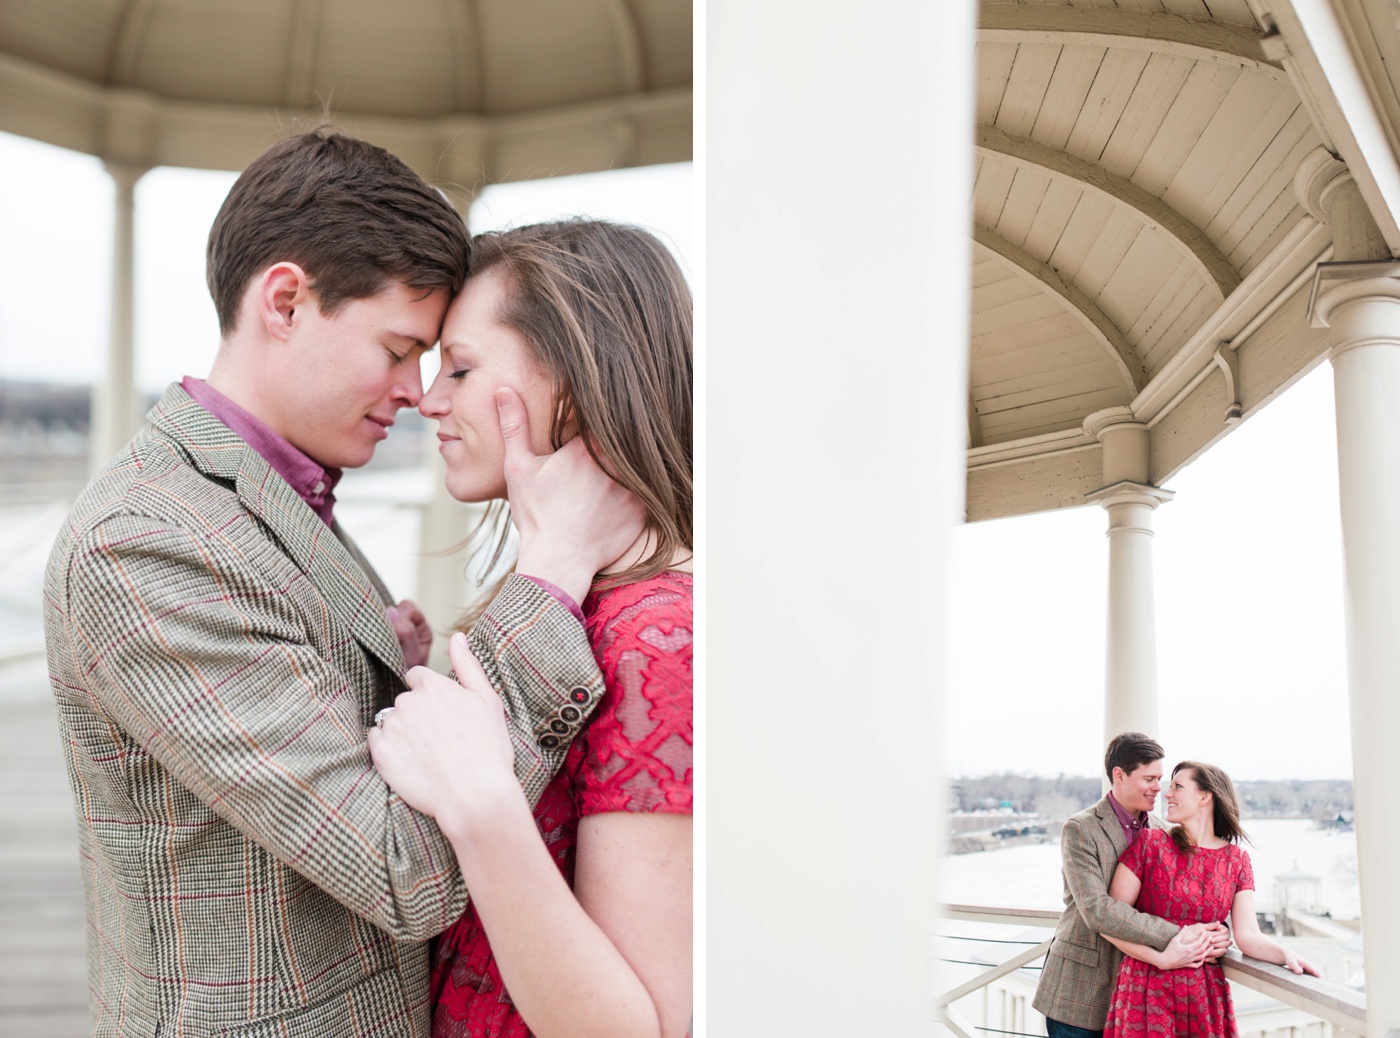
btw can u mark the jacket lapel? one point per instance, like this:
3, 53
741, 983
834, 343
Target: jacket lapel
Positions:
315, 549
1112, 828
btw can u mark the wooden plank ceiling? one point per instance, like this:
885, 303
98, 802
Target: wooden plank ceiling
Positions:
1135, 163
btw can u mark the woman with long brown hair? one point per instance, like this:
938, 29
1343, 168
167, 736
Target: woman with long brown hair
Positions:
1195, 873
580, 914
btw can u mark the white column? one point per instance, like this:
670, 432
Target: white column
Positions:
1357, 296
833, 368
116, 413
1130, 672
1364, 317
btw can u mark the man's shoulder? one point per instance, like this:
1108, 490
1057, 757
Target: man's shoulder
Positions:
1091, 815
152, 481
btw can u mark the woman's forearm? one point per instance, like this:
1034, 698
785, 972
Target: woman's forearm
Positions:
563, 972
1257, 946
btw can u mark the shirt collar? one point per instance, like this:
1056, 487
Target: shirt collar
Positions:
309, 479
1125, 819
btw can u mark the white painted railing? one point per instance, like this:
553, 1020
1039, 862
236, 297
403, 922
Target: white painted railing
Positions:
1341, 1008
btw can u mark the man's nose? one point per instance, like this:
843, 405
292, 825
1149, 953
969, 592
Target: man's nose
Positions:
409, 389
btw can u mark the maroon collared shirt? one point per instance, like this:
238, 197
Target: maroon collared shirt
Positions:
303, 474
1132, 824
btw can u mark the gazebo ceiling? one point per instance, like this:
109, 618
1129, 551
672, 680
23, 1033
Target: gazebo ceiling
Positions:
1134, 210
513, 88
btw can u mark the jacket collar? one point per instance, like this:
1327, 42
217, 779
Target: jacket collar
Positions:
217, 452
1108, 821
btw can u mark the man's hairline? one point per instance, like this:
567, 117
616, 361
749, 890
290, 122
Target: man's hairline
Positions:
1142, 764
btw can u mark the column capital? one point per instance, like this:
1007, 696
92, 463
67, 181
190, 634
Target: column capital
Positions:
1099, 422
126, 174
1319, 176
1126, 492
1341, 287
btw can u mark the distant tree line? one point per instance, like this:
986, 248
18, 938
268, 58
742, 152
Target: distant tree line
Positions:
1063, 795
48, 406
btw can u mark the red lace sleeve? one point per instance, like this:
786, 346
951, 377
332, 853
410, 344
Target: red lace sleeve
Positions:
1246, 877
639, 749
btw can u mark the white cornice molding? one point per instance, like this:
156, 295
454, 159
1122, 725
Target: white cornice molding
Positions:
44, 105
996, 455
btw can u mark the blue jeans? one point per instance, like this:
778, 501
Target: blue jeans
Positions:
1055, 1029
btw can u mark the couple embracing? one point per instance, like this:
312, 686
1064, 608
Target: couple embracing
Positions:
278, 805
1138, 947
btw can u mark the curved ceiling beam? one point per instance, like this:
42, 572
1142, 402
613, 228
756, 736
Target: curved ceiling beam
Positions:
1110, 336
1196, 38
468, 68
629, 38
1157, 214
301, 54
127, 41
974, 424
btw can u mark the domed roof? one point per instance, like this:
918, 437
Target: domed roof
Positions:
520, 88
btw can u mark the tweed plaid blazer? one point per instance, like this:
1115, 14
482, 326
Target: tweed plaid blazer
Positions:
216, 655
1081, 967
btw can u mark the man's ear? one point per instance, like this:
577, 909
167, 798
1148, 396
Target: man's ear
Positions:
281, 291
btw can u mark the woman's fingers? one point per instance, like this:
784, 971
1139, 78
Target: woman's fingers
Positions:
464, 662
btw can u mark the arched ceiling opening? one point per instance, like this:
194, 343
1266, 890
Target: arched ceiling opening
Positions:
1133, 209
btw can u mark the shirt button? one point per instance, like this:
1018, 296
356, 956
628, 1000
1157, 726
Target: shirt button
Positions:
318, 488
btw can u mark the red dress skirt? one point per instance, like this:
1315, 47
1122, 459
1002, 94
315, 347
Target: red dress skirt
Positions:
1199, 887
635, 755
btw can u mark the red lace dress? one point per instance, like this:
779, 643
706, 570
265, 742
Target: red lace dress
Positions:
1195, 888
635, 755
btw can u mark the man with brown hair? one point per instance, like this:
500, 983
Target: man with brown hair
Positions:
218, 646
1076, 984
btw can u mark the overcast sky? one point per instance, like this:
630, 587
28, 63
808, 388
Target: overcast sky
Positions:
1251, 665
1252, 673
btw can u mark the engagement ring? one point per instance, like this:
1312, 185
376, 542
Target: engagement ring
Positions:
379, 717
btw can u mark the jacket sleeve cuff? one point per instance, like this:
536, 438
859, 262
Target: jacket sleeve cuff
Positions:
538, 658
565, 599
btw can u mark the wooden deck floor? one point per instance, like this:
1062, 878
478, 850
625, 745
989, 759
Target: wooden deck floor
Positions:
43, 976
